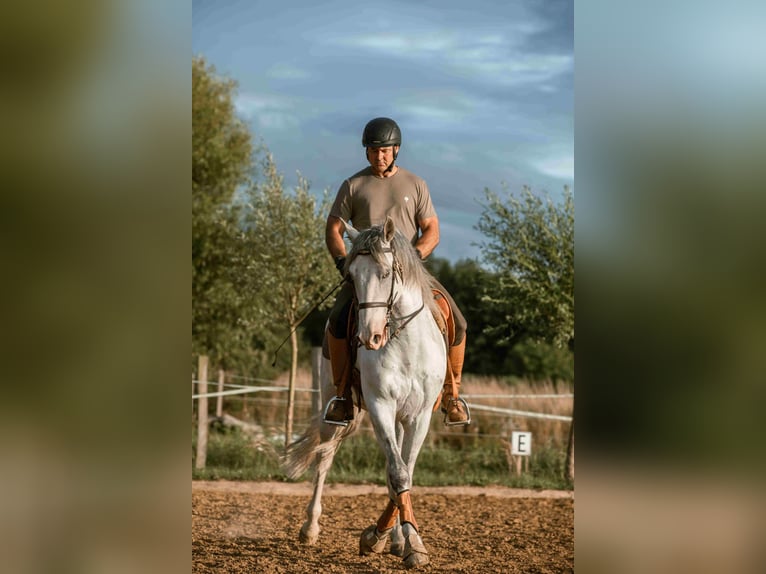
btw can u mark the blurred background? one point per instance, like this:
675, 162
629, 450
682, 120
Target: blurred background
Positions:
670, 315
95, 215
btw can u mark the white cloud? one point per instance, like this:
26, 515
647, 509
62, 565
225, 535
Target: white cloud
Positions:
400, 44
440, 153
561, 167
517, 69
282, 71
267, 111
489, 56
249, 104
450, 109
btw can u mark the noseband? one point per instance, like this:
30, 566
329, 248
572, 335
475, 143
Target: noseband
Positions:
390, 303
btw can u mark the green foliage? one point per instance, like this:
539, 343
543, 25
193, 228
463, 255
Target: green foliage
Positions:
221, 161
221, 142
359, 460
233, 456
467, 282
487, 353
531, 250
538, 360
284, 265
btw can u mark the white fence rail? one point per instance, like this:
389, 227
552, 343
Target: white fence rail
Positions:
513, 412
231, 389
246, 389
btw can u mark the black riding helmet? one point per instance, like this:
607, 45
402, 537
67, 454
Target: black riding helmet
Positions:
381, 132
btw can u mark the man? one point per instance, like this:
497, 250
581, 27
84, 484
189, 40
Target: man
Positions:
365, 199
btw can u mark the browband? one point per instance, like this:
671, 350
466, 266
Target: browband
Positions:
382, 249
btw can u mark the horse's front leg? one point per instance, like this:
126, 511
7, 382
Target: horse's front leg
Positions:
399, 479
414, 551
397, 540
405, 540
374, 537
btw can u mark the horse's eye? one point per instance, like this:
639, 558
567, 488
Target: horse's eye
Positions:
386, 274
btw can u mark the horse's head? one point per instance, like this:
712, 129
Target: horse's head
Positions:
371, 265
388, 277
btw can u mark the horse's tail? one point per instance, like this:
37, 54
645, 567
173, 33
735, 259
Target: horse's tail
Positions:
316, 446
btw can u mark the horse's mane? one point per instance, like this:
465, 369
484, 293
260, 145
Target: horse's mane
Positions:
409, 267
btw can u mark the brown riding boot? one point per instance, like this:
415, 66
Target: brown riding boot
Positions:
454, 407
339, 410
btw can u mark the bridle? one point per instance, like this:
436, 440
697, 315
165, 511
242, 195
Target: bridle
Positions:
401, 321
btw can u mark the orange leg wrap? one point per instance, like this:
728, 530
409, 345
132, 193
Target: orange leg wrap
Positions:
388, 518
404, 501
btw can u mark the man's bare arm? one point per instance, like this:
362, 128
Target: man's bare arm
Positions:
429, 235
333, 237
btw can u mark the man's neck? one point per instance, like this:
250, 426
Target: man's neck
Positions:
386, 173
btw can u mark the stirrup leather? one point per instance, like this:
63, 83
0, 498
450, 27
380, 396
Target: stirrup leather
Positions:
343, 423
448, 423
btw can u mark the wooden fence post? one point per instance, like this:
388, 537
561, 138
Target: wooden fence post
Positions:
219, 398
316, 379
201, 413
519, 462
569, 466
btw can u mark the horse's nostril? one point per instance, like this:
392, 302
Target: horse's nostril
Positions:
376, 339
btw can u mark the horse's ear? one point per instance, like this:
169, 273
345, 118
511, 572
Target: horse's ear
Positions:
388, 229
350, 230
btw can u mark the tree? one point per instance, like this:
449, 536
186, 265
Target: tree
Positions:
221, 143
221, 162
532, 253
285, 260
467, 282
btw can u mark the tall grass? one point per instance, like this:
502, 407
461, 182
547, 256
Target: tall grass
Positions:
475, 455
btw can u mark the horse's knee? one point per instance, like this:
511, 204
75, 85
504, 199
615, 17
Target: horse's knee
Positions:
399, 479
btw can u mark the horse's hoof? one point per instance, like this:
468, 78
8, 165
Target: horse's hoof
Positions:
397, 550
415, 551
372, 541
415, 560
307, 537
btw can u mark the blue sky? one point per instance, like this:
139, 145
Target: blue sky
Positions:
483, 92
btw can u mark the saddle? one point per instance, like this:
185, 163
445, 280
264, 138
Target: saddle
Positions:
444, 320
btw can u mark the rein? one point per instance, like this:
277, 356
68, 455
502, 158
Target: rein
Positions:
317, 304
406, 320
390, 303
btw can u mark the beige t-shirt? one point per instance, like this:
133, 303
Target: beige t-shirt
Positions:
365, 200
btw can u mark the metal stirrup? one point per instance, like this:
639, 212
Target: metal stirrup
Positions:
458, 423
343, 423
